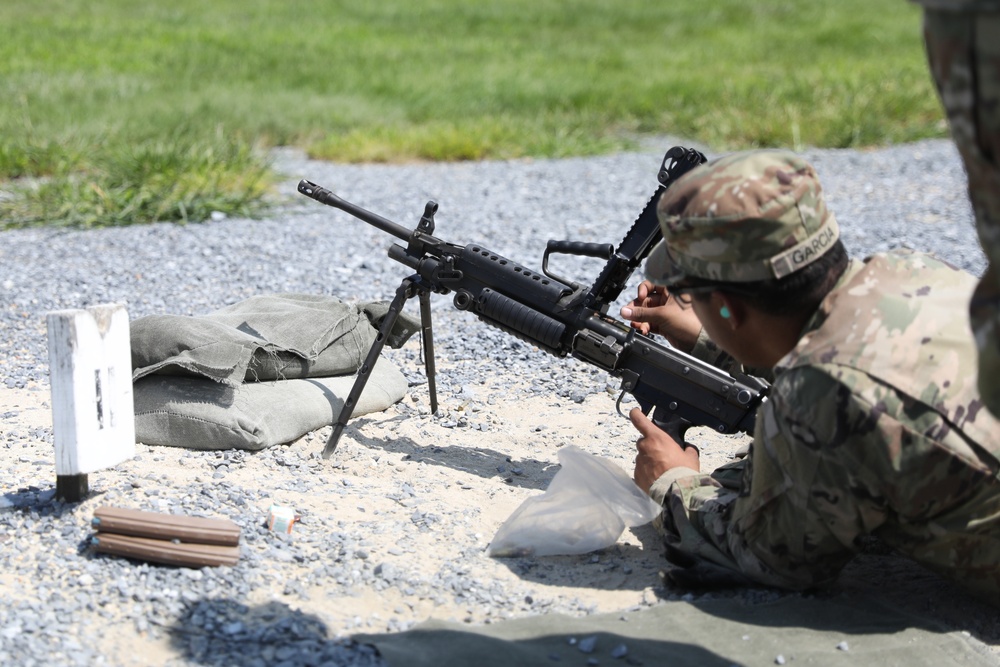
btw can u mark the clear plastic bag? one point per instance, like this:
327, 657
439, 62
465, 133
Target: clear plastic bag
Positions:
587, 506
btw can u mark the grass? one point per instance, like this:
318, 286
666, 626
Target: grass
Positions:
120, 112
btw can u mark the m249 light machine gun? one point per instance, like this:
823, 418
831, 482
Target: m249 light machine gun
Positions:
559, 316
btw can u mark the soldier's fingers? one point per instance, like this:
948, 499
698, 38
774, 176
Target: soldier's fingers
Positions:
632, 312
644, 290
641, 423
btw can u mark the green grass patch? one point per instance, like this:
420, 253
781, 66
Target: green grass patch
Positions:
108, 106
149, 182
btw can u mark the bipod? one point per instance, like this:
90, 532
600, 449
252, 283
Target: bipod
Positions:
409, 288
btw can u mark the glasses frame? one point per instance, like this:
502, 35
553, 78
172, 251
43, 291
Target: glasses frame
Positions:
683, 294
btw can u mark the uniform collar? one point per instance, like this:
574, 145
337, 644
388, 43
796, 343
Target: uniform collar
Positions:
820, 316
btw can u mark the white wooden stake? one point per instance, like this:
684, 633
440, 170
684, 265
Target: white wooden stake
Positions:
90, 369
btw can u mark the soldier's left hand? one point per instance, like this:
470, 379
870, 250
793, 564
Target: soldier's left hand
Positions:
654, 310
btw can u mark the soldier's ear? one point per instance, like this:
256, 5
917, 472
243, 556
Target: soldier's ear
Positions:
730, 309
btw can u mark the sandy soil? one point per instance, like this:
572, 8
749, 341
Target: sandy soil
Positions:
472, 480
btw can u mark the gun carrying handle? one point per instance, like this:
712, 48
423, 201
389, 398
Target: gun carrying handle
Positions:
599, 250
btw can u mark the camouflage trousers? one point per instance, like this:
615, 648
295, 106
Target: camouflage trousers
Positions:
963, 49
703, 556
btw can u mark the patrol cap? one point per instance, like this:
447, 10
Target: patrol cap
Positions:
746, 217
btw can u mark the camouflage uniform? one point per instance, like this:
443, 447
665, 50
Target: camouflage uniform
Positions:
963, 47
873, 425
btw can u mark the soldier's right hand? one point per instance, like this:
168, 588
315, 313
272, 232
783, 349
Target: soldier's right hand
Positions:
658, 452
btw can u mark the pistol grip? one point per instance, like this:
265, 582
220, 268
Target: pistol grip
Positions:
676, 427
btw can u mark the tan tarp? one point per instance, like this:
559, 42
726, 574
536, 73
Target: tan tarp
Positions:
792, 630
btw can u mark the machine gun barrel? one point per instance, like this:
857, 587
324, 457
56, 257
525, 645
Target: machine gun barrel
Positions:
324, 196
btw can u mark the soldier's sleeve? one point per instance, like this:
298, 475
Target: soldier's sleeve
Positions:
706, 350
795, 517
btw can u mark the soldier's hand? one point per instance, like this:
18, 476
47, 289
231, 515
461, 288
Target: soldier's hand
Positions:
658, 452
655, 311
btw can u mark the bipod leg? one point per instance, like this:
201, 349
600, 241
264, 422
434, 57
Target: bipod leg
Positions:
406, 290
427, 338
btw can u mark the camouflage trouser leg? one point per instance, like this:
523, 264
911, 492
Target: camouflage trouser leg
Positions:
697, 564
964, 53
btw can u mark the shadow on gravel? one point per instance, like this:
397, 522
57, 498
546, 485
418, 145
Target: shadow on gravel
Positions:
41, 503
223, 632
479, 461
40, 500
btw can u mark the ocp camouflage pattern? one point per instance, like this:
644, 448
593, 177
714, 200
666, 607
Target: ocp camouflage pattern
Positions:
963, 48
748, 216
874, 426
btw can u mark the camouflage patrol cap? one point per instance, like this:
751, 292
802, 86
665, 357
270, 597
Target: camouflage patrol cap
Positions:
745, 217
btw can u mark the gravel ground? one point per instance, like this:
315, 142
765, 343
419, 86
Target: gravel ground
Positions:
912, 195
